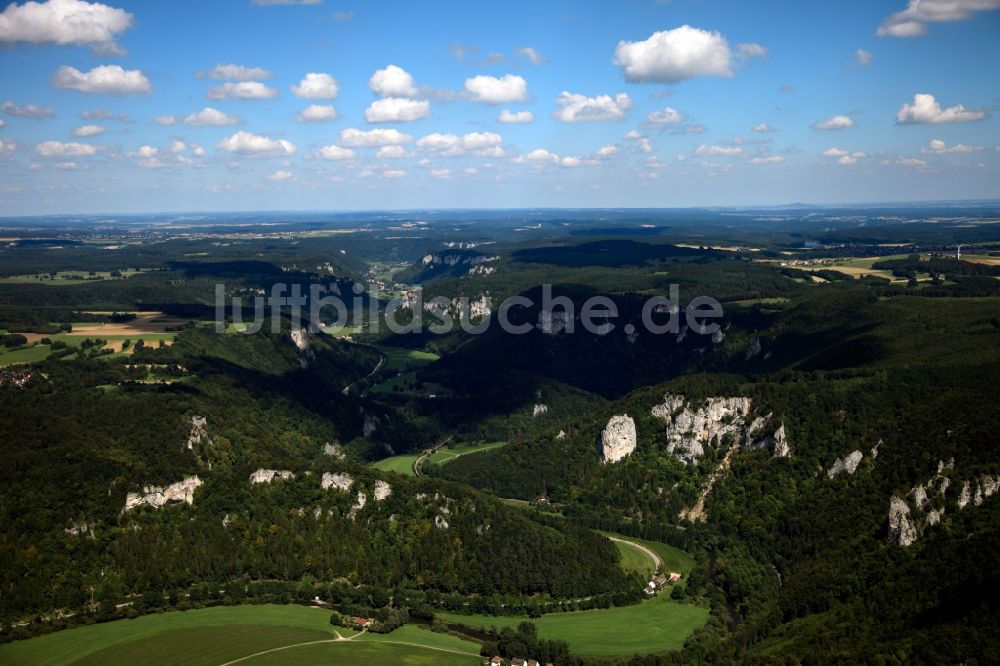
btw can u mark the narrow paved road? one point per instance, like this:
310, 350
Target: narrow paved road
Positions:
657, 562
420, 459
381, 362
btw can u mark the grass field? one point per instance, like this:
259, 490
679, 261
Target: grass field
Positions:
674, 559
656, 625
404, 464
634, 559
215, 636
452, 451
398, 358
399, 464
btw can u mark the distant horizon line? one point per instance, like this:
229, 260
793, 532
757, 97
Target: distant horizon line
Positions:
348, 211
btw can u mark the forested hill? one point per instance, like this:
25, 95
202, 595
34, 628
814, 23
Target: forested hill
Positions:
878, 398
223, 460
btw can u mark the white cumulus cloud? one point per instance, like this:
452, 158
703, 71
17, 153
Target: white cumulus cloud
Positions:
669, 116
482, 144
574, 108
493, 90
26, 111
64, 22
539, 156
769, 159
863, 57
514, 118
530, 54
211, 117
937, 146
316, 113
110, 79
375, 138
334, 152
316, 85
925, 109
763, 128
672, 56
392, 81
397, 110
231, 72
912, 21
245, 143
833, 123
281, 175
718, 151
59, 149
242, 90
88, 130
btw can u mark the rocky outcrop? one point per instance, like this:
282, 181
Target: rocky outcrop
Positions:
440, 522
848, 464
776, 442
561, 434
339, 481
382, 490
539, 409
199, 432
156, 497
902, 531
333, 449
927, 503
691, 429
267, 475
617, 440
81, 528
300, 338
359, 502
753, 347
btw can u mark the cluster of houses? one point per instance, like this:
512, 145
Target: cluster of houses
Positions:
15, 378
661, 580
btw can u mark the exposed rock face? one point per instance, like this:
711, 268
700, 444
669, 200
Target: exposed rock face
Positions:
382, 490
691, 429
267, 475
617, 439
333, 449
360, 502
776, 442
780, 448
199, 432
922, 497
300, 338
155, 496
753, 347
338, 481
902, 531
718, 337
848, 464
440, 522
539, 409
561, 435
80, 528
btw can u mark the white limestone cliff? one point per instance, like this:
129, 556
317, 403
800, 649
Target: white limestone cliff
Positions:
339, 481
267, 475
618, 439
156, 496
848, 464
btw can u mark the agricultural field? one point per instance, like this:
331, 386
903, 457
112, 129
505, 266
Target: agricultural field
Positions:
655, 625
69, 277
248, 634
150, 326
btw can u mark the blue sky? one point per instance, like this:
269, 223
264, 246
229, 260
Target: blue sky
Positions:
660, 105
